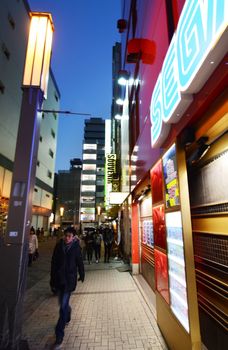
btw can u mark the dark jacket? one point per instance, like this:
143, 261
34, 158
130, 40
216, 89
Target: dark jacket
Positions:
108, 236
64, 266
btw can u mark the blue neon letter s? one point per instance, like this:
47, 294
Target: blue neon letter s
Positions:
156, 112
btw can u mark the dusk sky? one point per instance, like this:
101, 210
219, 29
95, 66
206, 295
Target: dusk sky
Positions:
85, 31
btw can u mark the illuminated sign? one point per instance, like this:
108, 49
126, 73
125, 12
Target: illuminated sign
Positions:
172, 196
118, 197
110, 169
197, 47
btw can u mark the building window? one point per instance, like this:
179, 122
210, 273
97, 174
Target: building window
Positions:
88, 188
42, 115
11, 21
87, 210
89, 167
47, 195
49, 174
88, 177
100, 182
53, 133
2, 87
35, 189
100, 157
87, 199
41, 138
38, 163
6, 51
99, 170
87, 217
89, 156
55, 115
90, 146
51, 153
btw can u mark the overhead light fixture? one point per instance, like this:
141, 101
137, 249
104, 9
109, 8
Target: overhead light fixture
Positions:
123, 77
120, 101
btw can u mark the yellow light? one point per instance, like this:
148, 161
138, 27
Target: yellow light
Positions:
61, 210
37, 62
98, 210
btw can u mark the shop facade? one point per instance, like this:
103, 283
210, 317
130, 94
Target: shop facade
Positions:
178, 146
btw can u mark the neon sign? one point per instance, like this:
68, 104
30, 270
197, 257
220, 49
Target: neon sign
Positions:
197, 47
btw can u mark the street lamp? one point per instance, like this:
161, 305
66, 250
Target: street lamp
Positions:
14, 251
98, 214
61, 212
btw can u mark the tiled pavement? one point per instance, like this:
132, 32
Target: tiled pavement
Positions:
108, 313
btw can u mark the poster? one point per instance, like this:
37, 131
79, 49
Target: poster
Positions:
147, 232
177, 275
170, 178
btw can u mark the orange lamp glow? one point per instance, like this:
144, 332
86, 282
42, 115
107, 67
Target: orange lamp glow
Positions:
61, 210
37, 62
98, 210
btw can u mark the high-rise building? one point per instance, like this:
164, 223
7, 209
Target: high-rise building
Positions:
116, 94
14, 22
68, 194
92, 179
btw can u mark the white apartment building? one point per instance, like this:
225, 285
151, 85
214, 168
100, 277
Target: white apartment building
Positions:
14, 23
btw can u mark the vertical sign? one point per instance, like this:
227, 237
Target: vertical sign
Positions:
110, 169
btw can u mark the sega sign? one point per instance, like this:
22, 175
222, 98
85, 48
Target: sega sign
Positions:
197, 47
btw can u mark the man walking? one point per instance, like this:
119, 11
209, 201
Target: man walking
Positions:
66, 263
108, 240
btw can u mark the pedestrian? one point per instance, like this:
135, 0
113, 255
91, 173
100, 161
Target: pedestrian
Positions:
97, 244
82, 238
42, 233
65, 264
108, 240
38, 232
33, 246
89, 244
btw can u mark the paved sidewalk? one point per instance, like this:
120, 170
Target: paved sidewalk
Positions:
108, 313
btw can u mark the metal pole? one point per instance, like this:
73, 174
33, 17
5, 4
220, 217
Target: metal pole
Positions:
14, 250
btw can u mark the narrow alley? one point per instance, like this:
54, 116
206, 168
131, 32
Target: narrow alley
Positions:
108, 310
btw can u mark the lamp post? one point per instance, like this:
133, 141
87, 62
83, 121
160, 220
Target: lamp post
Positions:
14, 251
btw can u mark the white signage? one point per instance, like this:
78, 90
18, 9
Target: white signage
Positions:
118, 197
